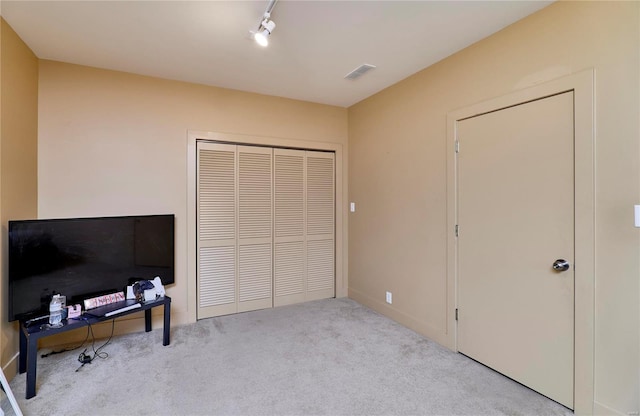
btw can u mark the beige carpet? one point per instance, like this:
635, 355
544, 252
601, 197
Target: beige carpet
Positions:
330, 357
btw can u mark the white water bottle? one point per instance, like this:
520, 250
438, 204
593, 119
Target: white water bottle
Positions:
55, 311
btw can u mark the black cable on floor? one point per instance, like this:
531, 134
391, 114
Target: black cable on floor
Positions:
85, 358
67, 349
98, 353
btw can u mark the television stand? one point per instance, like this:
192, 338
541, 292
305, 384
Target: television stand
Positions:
29, 335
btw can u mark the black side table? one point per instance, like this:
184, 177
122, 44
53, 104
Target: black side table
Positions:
30, 335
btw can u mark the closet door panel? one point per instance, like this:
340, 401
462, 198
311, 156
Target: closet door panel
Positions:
289, 230
255, 277
216, 230
266, 227
255, 225
289, 269
216, 281
320, 195
320, 269
320, 225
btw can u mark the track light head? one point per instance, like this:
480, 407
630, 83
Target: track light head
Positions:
262, 35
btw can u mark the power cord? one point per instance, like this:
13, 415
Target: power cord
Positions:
85, 358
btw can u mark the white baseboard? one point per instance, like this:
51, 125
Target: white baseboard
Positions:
600, 409
436, 334
10, 369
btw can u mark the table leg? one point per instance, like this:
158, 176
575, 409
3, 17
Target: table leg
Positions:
147, 320
32, 356
22, 361
167, 322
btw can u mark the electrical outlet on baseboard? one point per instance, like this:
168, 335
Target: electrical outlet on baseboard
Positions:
389, 298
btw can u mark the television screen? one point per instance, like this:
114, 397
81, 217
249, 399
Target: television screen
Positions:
84, 257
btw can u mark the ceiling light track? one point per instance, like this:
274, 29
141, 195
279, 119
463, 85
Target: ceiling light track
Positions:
266, 26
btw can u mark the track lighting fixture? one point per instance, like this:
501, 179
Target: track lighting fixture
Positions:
262, 35
266, 26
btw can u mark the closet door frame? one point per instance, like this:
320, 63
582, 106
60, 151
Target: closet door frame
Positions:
341, 286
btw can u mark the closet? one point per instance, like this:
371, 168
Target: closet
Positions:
265, 227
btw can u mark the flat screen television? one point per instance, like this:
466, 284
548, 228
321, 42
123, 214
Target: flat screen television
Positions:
84, 257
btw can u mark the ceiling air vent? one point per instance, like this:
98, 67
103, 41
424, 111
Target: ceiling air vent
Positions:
359, 71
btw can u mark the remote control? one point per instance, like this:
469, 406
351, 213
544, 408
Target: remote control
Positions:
126, 308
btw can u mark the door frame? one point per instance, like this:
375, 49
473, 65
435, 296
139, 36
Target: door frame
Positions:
193, 136
582, 84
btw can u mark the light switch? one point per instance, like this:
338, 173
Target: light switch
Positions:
352, 207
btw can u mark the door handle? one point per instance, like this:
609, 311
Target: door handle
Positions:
561, 265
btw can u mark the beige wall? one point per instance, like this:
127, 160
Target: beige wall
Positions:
397, 162
112, 143
18, 159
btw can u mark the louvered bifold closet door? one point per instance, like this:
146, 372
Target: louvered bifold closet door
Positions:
216, 229
320, 225
255, 225
289, 227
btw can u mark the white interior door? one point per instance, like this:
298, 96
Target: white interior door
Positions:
516, 218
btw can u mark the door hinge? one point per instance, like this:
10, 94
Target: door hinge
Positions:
457, 230
457, 146
456, 314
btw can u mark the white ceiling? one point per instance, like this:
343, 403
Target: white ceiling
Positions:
314, 45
